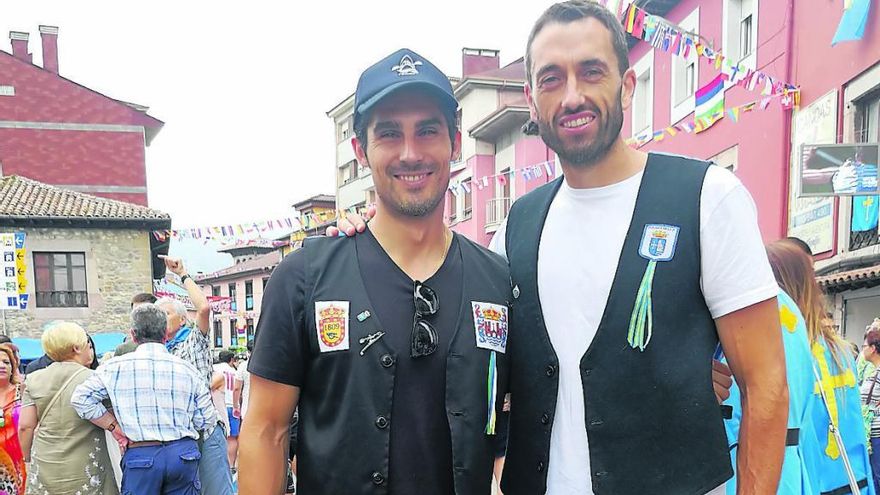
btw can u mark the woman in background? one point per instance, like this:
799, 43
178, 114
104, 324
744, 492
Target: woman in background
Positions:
13, 474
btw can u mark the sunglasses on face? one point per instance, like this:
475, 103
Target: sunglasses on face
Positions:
424, 336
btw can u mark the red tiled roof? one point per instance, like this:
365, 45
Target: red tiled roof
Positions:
23, 197
851, 279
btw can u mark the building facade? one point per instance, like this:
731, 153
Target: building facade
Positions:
59, 132
839, 103
237, 291
85, 257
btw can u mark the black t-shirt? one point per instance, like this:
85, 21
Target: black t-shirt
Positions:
421, 445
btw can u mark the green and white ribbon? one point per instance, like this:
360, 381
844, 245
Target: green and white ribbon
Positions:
642, 321
492, 393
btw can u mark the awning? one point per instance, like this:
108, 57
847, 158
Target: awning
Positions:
28, 349
31, 349
859, 278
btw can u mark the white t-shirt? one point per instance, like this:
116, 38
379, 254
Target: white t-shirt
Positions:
577, 259
243, 375
228, 381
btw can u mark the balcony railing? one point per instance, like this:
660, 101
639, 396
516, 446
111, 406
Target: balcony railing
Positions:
859, 240
496, 211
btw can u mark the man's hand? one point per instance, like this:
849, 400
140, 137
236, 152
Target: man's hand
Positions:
352, 223
721, 380
236, 413
120, 438
174, 265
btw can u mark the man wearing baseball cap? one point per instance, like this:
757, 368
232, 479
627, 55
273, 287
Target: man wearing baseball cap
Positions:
396, 360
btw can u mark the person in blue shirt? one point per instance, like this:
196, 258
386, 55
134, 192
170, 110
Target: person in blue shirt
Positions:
817, 362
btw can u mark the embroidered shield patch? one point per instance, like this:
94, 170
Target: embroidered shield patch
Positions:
331, 320
658, 242
490, 326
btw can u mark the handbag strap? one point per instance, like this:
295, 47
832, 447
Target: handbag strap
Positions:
58, 394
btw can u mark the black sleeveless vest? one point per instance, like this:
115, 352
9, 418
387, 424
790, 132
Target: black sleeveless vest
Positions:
345, 402
652, 420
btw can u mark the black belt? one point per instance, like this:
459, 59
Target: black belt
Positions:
792, 438
845, 489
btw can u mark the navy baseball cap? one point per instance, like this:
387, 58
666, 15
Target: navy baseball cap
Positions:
403, 68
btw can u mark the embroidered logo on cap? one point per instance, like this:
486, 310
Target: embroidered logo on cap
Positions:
490, 326
331, 319
407, 66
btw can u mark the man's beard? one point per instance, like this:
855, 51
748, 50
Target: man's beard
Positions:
585, 155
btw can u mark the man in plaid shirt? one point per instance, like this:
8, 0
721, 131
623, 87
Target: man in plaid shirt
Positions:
160, 406
192, 345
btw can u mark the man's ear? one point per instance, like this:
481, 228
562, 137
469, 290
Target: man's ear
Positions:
627, 88
533, 111
359, 152
456, 147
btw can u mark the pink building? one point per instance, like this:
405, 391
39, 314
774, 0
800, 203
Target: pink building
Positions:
840, 103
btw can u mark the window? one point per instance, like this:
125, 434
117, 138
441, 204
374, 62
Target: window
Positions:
348, 172
233, 331
218, 333
467, 201
643, 98
215, 290
265, 283
452, 201
727, 158
343, 130
684, 73
60, 280
249, 295
232, 295
740, 31
250, 329
868, 119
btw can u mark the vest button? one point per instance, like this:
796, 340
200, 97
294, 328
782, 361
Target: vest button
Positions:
545, 419
381, 422
386, 360
377, 478
588, 372
551, 370
540, 466
596, 423
601, 474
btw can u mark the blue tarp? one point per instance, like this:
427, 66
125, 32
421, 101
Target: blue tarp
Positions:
31, 349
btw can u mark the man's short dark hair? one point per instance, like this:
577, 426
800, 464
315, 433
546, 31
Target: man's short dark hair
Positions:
360, 130
226, 356
148, 323
143, 297
575, 10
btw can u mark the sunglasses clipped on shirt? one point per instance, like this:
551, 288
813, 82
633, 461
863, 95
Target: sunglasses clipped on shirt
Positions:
424, 335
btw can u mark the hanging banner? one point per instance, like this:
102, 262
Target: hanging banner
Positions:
13, 272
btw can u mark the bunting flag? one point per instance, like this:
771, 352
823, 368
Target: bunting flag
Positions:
710, 102
528, 173
661, 34
698, 125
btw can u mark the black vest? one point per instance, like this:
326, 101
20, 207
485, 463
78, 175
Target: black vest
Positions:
652, 420
345, 402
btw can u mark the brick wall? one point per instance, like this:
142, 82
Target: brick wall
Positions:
117, 267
